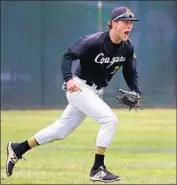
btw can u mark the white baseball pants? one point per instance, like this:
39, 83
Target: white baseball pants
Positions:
81, 104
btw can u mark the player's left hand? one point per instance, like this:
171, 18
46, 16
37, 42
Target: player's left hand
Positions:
129, 98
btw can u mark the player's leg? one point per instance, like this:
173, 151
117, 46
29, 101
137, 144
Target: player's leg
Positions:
95, 107
59, 129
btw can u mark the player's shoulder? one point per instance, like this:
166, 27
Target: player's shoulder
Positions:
86, 41
94, 38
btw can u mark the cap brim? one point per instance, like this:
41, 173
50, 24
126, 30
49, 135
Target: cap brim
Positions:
128, 19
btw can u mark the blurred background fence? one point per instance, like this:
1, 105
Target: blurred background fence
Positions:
35, 34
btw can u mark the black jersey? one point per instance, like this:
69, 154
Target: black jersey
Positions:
99, 59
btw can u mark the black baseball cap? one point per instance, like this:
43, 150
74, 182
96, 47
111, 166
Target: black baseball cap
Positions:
122, 13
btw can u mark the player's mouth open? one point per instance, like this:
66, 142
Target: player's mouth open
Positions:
126, 33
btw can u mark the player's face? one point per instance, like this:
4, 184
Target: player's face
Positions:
123, 29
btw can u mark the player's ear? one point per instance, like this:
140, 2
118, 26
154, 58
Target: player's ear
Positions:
113, 23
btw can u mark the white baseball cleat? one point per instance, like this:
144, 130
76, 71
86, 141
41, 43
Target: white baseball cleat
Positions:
12, 157
103, 175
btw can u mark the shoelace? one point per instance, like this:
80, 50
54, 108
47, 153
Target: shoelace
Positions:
108, 172
21, 157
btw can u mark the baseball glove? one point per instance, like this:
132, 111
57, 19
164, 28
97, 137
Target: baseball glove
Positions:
129, 98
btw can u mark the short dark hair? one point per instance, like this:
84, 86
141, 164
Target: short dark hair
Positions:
109, 25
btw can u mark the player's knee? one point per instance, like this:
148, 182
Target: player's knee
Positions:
115, 119
111, 119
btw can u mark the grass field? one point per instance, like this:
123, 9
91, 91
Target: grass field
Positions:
143, 150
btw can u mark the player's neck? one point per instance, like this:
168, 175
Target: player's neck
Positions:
114, 39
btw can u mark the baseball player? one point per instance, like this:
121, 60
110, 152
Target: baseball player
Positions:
101, 55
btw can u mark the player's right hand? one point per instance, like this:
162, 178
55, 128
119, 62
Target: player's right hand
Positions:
72, 86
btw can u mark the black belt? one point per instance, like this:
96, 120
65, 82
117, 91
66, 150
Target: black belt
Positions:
93, 85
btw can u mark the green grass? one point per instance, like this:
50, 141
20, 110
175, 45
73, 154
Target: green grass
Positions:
143, 150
